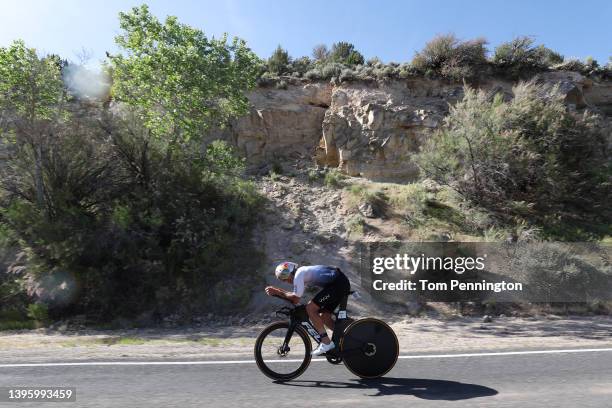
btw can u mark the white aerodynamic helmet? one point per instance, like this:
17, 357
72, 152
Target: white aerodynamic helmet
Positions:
284, 270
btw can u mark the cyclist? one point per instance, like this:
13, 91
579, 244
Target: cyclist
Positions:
335, 285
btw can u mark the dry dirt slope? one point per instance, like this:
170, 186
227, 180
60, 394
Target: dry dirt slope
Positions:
309, 221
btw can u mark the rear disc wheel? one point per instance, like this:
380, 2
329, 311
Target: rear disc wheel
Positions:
369, 348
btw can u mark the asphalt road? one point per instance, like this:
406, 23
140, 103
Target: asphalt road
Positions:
538, 380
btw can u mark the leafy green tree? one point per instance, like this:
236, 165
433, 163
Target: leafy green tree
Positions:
32, 104
345, 53
30, 86
279, 61
125, 204
179, 80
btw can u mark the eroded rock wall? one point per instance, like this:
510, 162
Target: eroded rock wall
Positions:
281, 123
372, 129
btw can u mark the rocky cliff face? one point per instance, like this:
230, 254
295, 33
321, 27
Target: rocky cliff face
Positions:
373, 129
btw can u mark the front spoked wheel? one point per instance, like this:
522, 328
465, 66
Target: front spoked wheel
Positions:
369, 348
281, 363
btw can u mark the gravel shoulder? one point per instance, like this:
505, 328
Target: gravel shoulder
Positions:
416, 336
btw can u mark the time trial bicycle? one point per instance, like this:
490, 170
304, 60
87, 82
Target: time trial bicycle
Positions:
368, 347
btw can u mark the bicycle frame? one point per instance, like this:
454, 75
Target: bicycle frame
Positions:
298, 316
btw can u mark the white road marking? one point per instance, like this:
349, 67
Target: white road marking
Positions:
507, 353
216, 362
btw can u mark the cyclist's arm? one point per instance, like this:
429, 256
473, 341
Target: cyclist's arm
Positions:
292, 297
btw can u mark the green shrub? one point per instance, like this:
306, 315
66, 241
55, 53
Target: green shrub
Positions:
332, 69
347, 74
448, 57
121, 216
333, 178
365, 73
356, 189
574, 64
345, 53
377, 199
313, 74
313, 175
406, 71
356, 225
12, 289
17, 325
548, 57
528, 157
146, 219
587, 67
38, 312
277, 167
301, 65
410, 201
274, 176
520, 57
279, 61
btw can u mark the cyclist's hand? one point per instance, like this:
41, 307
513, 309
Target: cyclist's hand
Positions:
271, 291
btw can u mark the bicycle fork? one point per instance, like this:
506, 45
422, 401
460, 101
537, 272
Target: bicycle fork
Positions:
284, 349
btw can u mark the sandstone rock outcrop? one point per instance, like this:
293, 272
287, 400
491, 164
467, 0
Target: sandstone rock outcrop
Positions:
372, 129
281, 122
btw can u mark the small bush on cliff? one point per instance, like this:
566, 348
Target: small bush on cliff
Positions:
331, 70
320, 52
279, 61
448, 57
345, 53
528, 157
573, 64
301, 65
520, 57
589, 67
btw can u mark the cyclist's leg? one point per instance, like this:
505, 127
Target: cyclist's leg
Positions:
326, 316
313, 308
325, 302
